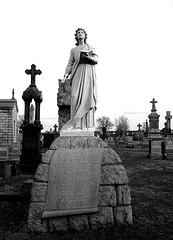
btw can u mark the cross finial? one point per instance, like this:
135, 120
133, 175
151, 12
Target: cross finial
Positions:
13, 93
33, 72
139, 126
153, 105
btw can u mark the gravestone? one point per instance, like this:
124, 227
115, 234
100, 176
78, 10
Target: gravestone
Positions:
168, 145
129, 141
31, 144
154, 135
5, 170
166, 132
145, 144
80, 184
73, 183
156, 150
50, 136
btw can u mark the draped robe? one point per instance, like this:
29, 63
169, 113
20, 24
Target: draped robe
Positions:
83, 90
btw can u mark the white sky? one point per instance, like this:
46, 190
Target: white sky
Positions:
133, 39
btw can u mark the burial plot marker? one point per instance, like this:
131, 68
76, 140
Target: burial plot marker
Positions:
31, 127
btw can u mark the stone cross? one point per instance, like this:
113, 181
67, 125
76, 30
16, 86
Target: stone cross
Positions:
139, 125
55, 128
153, 105
33, 72
168, 118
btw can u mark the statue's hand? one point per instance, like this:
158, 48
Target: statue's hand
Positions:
64, 78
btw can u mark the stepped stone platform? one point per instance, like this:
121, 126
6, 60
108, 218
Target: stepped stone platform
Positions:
80, 184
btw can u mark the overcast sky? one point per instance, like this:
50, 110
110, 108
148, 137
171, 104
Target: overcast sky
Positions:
133, 40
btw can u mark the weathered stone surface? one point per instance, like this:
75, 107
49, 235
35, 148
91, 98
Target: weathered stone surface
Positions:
63, 99
123, 193
79, 222
107, 196
96, 142
78, 142
113, 174
74, 179
38, 192
113, 195
123, 214
46, 157
63, 116
101, 219
110, 157
58, 224
64, 86
35, 223
60, 142
41, 174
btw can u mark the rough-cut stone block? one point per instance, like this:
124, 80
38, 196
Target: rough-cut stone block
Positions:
113, 174
110, 157
60, 142
107, 196
38, 192
79, 222
123, 215
78, 142
38, 225
42, 172
58, 224
101, 219
63, 99
46, 157
34, 221
64, 86
123, 193
96, 142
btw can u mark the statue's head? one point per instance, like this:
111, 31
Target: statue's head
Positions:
77, 38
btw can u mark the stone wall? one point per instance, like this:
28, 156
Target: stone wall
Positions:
114, 200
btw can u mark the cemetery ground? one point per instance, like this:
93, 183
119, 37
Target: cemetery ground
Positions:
151, 183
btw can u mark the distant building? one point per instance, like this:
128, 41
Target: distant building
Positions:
8, 120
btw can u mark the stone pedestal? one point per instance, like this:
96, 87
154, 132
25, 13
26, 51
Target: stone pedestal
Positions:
80, 184
31, 149
155, 145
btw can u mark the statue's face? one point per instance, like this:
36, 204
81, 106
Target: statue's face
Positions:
80, 34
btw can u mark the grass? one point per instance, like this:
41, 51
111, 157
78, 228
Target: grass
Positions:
151, 183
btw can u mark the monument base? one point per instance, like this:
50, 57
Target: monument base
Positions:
77, 132
80, 184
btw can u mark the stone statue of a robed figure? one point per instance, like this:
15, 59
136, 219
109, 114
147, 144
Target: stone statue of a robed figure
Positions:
81, 72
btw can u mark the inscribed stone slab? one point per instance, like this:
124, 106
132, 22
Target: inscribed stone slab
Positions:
169, 145
155, 147
73, 184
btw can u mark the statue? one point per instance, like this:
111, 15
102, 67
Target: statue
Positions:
31, 117
81, 70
